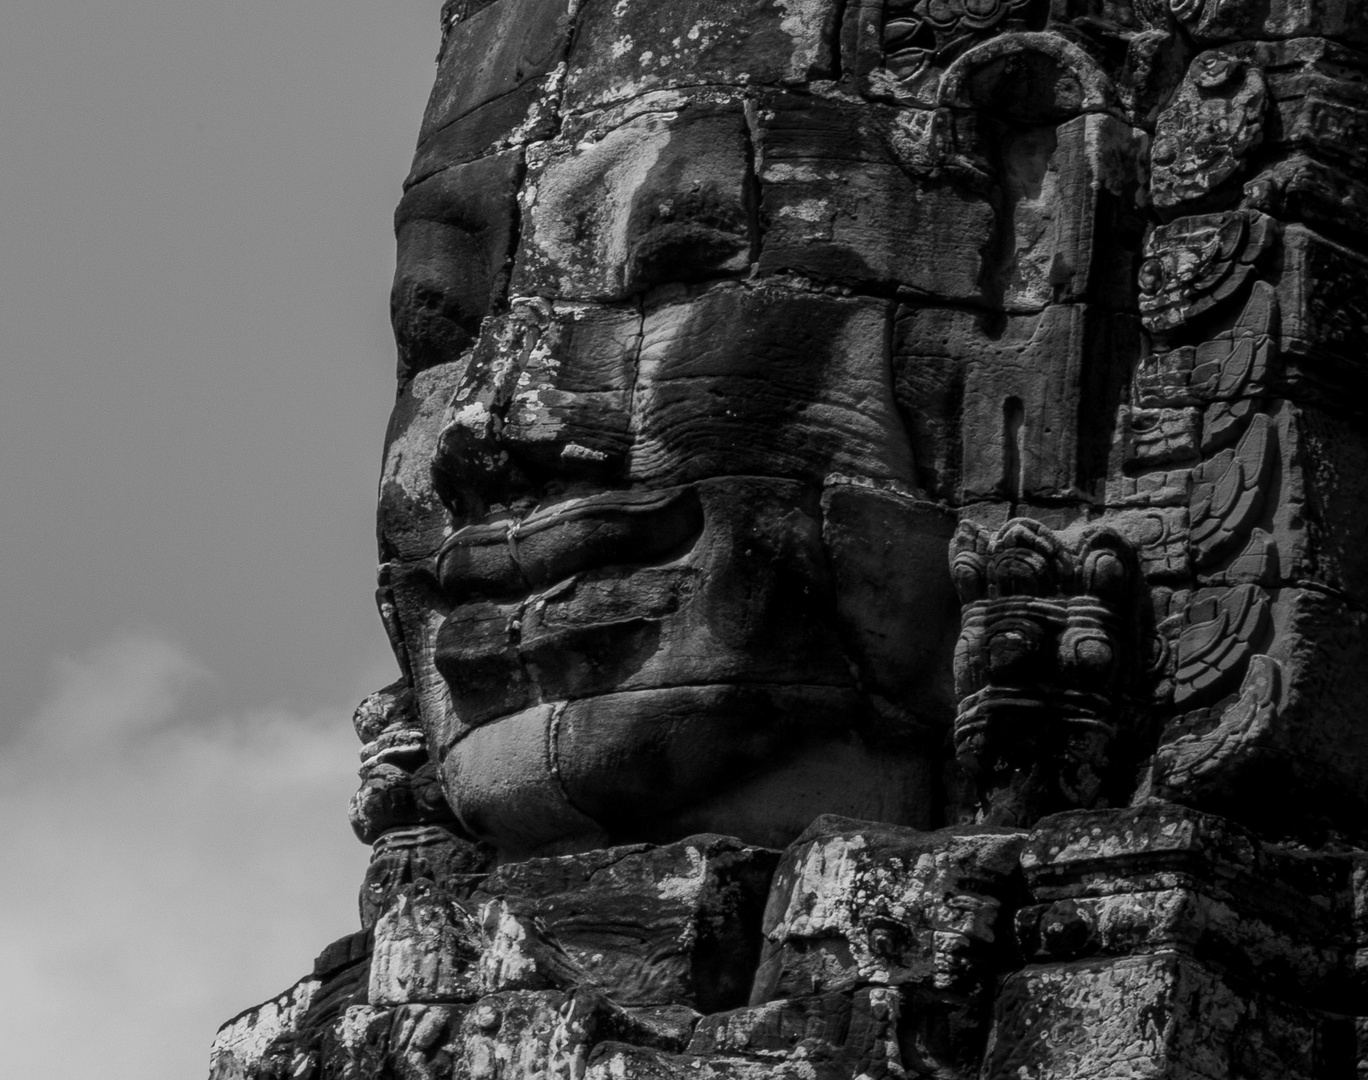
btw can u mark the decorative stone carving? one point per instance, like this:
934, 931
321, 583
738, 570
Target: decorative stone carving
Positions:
1165, 942
398, 780
1191, 759
1206, 134
1197, 263
1228, 492
1047, 649
917, 33
919, 915
427, 857
1235, 364
718, 323
1222, 629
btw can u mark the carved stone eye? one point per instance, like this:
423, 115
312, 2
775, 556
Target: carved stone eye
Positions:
1164, 151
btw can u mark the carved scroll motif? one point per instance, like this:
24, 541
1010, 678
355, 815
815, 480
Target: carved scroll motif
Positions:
916, 32
1196, 263
1228, 493
1220, 632
1209, 129
903, 46
1192, 759
1160, 437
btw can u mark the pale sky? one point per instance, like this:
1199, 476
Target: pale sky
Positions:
195, 374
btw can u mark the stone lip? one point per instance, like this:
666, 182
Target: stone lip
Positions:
515, 556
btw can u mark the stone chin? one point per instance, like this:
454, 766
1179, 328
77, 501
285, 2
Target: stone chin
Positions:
758, 762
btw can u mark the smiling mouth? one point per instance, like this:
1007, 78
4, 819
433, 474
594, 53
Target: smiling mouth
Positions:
510, 559
565, 602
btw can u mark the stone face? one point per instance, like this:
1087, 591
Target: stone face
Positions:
872, 536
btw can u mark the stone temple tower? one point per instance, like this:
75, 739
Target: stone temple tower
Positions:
874, 537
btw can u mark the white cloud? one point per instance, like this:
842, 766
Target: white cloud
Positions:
162, 875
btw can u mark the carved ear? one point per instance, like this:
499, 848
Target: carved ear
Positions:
384, 709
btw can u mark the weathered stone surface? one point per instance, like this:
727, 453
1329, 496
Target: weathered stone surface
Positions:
242, 1043
672, 925
838, 202
720, 326
432, 858
1206, 134
1043, 664
1234, 20
1161, 878
863, 196
455, 233
663, 196
856, 903
724, 343
399, 785
494, 53
626, 48
1170, 943
1162, 1017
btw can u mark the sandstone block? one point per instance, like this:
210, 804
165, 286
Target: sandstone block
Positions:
242, 1043
1163, 879
672, 925
838, 204
493, 54
663, 196
625, 48
1162, 1016
858, 903
725, 344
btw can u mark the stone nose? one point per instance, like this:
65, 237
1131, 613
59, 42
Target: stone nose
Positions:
471, 467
